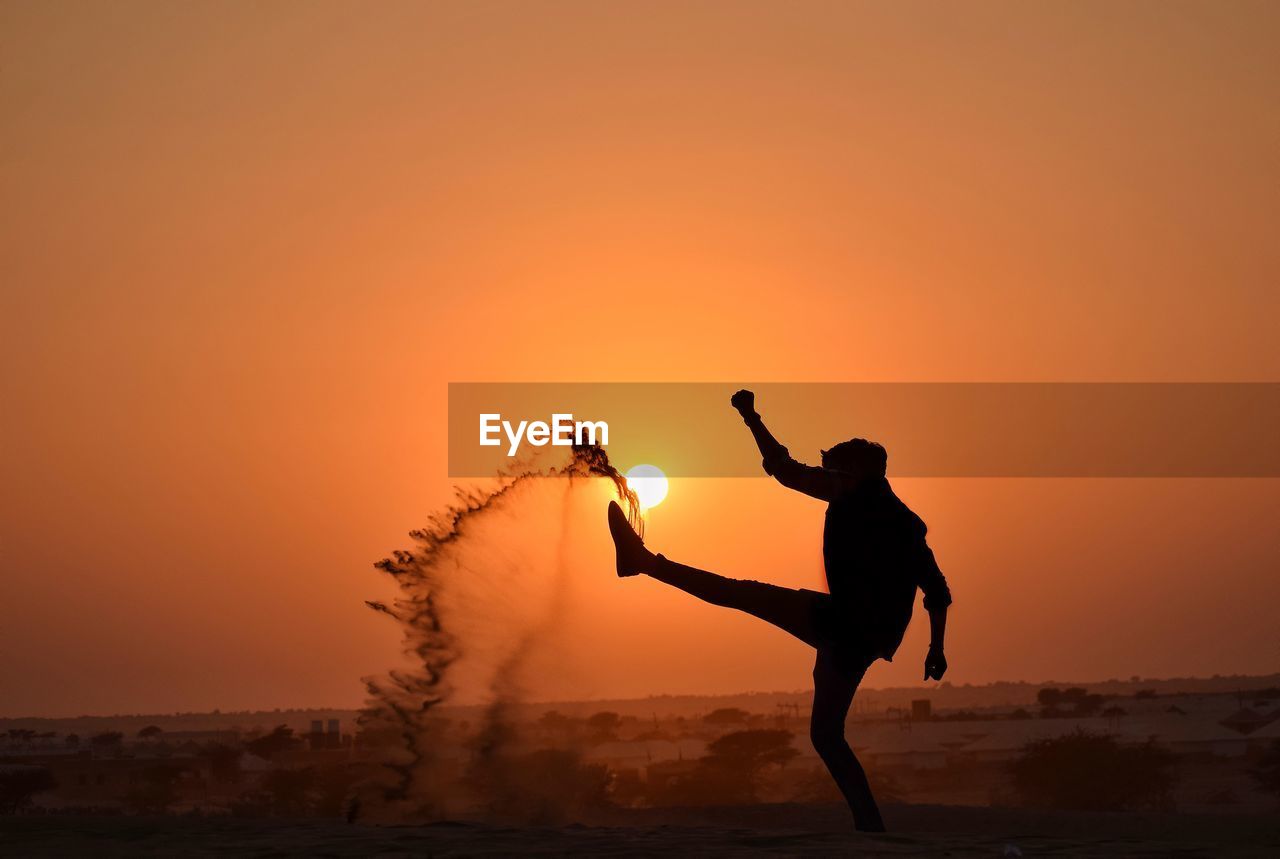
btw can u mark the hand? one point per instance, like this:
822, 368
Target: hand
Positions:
745, 402
935, 664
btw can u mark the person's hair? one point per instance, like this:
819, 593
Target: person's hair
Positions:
859, 456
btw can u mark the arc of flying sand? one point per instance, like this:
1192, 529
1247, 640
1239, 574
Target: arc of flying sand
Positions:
403, 700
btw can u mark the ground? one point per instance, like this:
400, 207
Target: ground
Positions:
773, 830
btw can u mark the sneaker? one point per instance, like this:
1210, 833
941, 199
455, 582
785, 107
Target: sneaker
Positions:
632, 557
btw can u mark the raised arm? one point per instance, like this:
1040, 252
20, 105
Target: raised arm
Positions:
821, 483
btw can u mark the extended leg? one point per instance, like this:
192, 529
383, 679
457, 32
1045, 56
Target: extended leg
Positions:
833, 688
790, 610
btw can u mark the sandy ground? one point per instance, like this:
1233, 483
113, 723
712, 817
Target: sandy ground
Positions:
774, 830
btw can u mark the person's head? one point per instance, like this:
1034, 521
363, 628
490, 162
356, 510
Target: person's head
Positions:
856, 456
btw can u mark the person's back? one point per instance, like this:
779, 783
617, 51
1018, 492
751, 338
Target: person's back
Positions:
875, 555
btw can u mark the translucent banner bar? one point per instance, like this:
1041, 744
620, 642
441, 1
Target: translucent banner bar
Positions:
929, 430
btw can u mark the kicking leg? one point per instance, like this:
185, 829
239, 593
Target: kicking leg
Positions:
792, 611
833, 688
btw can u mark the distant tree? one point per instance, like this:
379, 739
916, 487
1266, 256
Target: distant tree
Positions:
1088, 771
106, 740
1089, 705
1049, 697
150, 732
727, 716
605, 722
750, 751
19, 784
1020, 713
280, 739
1145, 694
730, 772
72, 741
555, 720
1267, 771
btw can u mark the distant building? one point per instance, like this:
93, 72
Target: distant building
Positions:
320, 738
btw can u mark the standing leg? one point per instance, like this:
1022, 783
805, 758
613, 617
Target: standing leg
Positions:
833, 688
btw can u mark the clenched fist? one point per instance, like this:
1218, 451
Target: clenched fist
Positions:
935, 664
745, 402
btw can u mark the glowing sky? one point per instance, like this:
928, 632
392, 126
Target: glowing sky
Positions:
244, 248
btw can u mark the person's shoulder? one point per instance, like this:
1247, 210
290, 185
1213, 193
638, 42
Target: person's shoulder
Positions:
909, 517
878, 488
849, 488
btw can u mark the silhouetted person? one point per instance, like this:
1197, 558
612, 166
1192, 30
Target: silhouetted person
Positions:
875, 555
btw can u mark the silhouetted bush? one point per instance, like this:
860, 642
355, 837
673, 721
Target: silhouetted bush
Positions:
279, 740
314, 791
605, 723
290, 792
334, 790
19, 783
548, 786
107, 740
730, 773
224, 761
155, 789
1088, 771
1267, 771
555, 720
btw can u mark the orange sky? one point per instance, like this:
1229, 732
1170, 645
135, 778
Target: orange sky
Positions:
245, 248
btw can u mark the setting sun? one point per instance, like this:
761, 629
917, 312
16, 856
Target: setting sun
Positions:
649, 484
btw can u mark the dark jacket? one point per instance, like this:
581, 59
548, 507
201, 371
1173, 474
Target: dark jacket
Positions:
874, 551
